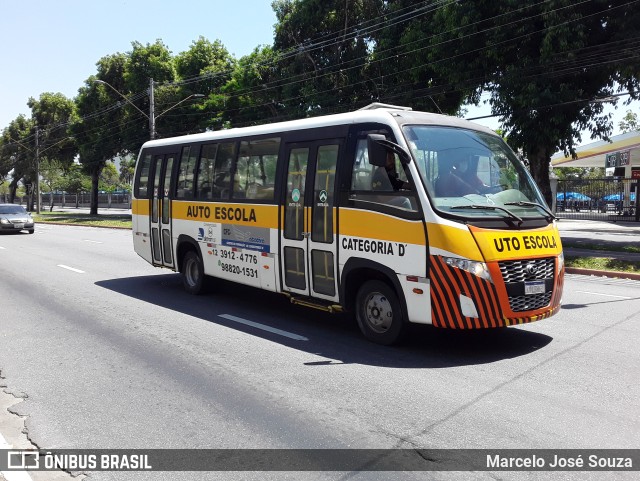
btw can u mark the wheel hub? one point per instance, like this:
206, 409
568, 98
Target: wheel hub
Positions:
378, 312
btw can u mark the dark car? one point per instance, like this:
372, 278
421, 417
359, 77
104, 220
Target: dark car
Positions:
15, 218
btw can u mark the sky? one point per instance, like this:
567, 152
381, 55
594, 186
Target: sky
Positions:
53, 45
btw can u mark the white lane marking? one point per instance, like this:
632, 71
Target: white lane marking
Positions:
2, 247
71, 269
605, 295
257, 325
12, 475
95, 242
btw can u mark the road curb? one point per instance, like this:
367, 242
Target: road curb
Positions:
594, 272
84, 225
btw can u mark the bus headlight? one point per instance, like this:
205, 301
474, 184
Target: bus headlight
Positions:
560, 262
474, 267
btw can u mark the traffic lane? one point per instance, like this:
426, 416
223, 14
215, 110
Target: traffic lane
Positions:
475, 389
480, 373
83, 245
353, 376
102, 350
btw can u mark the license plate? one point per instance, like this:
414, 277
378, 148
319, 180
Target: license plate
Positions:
535, 287
18, 226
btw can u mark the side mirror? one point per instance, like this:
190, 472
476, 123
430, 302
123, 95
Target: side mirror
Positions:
376, 149
378, 146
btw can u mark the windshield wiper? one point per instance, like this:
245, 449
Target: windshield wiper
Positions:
521, 203
489, 207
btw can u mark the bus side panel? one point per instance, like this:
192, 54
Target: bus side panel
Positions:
236, 240
397, 243
140, 228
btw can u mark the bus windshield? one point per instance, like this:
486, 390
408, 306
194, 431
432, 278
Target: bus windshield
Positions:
473, 174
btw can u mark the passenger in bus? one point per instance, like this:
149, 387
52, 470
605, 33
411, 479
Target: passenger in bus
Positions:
386, 178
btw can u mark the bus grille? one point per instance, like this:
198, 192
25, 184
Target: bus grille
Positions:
529, 303
528, 270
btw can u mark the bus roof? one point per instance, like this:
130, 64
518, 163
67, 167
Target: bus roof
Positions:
378, 113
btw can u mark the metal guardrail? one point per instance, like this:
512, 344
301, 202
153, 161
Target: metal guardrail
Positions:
106, 200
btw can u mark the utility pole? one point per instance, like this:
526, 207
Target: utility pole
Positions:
152, 107
37, 171
152, 111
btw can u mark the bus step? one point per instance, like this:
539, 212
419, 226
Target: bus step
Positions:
332, 308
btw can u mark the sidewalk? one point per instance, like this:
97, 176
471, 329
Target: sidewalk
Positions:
612, 236
85, 210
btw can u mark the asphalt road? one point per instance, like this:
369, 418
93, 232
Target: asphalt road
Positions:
109, 352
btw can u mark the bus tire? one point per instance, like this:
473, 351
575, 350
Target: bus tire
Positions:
379, 313
192, 273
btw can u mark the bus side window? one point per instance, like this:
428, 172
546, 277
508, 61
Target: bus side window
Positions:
141, 190
186, 172
361, 178
255, 170
205, 172
382, 185
221, 182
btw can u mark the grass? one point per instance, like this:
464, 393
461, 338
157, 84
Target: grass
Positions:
71, 218
603, 264
600, 247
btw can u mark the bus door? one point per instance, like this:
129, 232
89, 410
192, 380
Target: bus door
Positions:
161, 245
308, 237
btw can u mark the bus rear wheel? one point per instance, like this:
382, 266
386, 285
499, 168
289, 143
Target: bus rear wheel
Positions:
379, 313
192, 273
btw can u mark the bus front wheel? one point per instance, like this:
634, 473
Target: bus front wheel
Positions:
192, 273
379, 314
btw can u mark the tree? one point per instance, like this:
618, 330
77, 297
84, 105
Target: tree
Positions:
214, 65
109, 178
144, 63
75, 181
545, 65
17, 154
401, 66
97, 130
629, 123
249, 97
127, 170
52, 173
52, 113
323, 55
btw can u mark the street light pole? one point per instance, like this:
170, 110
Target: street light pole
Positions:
37, 171
152, 108
152, 111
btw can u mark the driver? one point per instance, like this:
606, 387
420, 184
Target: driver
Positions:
464, 171
456, 178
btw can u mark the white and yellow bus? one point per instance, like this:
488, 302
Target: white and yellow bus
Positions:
398, 216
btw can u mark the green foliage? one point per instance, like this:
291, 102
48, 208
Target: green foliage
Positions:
567, 173
52, 113
249, 96
542, 63
109, 178
75, 181
127, 170
323, 55
536, 60
215, 65
17, 152
629, 123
